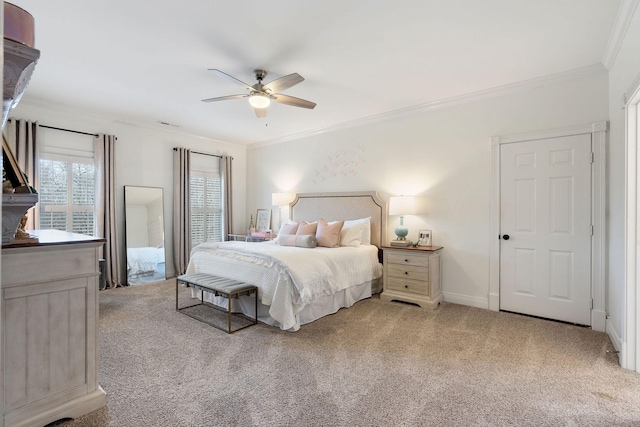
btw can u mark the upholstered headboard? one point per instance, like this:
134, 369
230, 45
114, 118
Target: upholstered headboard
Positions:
343, 206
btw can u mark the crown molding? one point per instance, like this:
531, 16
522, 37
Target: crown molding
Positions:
578, 73
625, 13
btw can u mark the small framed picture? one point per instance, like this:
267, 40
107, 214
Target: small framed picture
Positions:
424, 238
263, 220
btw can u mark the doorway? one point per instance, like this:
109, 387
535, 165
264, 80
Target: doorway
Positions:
630, 345
558, 178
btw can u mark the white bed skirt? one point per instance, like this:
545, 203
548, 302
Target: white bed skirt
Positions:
323, 306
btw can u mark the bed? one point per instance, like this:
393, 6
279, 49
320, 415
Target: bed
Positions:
300, 285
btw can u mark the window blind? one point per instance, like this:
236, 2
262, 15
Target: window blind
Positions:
67, 182
206, 202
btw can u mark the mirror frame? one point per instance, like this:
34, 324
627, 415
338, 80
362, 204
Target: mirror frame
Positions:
153, 277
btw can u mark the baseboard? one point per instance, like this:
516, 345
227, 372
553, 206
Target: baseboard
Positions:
466, 300
616, 341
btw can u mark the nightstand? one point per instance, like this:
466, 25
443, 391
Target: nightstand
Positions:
412, 275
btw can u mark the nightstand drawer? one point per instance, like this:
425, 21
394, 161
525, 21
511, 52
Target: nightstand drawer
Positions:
406, 285
407, 259
408, 272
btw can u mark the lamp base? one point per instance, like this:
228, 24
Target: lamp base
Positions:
401, 243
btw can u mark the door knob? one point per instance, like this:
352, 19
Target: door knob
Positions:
505, 237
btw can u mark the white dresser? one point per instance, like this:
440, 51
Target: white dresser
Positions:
412, 275
50, 329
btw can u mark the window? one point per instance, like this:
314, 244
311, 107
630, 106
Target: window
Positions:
67, 192
206, 201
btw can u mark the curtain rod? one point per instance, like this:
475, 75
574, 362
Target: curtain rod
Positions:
69, 130
64, 130
204, 154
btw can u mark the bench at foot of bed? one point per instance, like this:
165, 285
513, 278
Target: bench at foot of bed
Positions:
218, 286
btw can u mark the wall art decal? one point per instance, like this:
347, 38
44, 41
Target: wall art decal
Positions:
342, 163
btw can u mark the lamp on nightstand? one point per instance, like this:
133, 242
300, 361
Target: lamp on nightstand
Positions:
280, 200
402, 205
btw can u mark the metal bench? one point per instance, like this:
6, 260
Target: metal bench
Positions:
218, 286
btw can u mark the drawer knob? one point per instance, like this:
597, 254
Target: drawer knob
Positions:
406, 272
406, 286
406, 260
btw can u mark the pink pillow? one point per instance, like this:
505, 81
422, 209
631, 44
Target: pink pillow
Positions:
288, 229
328, 235
307, 228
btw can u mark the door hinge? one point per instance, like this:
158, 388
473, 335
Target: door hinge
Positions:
593, 157
592, 229
591, 303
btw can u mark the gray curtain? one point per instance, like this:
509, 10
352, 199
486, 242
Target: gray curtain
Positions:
225, 172
181, 209
105, 224
22, 137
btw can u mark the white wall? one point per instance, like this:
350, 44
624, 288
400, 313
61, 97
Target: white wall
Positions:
624, 71
144, 157
441, 155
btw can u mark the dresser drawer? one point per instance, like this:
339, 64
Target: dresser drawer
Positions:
408, 272
406, 285
407, 259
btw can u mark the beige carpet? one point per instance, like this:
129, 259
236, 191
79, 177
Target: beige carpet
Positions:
375, 364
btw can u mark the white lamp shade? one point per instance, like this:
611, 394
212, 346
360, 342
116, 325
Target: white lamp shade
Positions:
402, 205
259, 101
281, 199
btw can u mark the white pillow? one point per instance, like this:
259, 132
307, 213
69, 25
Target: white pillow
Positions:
288, 228
356, 232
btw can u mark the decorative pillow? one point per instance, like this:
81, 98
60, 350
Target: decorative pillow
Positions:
328, 235
356, 232
307, 228
302, 241
289, 228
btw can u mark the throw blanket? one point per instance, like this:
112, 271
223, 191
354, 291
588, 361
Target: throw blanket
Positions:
289, 278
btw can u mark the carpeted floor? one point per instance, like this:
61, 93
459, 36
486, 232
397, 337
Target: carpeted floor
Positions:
375, 364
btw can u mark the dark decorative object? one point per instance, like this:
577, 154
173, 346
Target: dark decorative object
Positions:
20, 56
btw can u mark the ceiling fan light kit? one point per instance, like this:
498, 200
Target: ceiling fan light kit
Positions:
258, 100
260, 95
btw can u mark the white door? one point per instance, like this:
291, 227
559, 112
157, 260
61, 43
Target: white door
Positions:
545, 228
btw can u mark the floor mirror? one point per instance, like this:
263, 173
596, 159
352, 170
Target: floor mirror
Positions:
144, 234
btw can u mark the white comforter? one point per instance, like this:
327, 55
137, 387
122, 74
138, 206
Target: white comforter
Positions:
288, 278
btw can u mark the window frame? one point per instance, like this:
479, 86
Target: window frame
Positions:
69, 208
204, 210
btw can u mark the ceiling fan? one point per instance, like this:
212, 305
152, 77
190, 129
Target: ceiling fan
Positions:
260, 96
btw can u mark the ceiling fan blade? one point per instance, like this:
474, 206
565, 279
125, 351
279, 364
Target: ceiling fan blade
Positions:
292, 100
233, 79
260, 112
283, 83
224, 98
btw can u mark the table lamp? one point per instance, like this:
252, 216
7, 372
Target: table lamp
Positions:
280, 200
402, 205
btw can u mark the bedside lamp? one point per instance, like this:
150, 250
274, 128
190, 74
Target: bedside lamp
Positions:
402, 205
280, 200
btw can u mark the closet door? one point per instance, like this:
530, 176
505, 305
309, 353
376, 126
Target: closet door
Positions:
546, 228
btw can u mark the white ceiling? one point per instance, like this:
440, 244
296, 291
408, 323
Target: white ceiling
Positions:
144, 61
